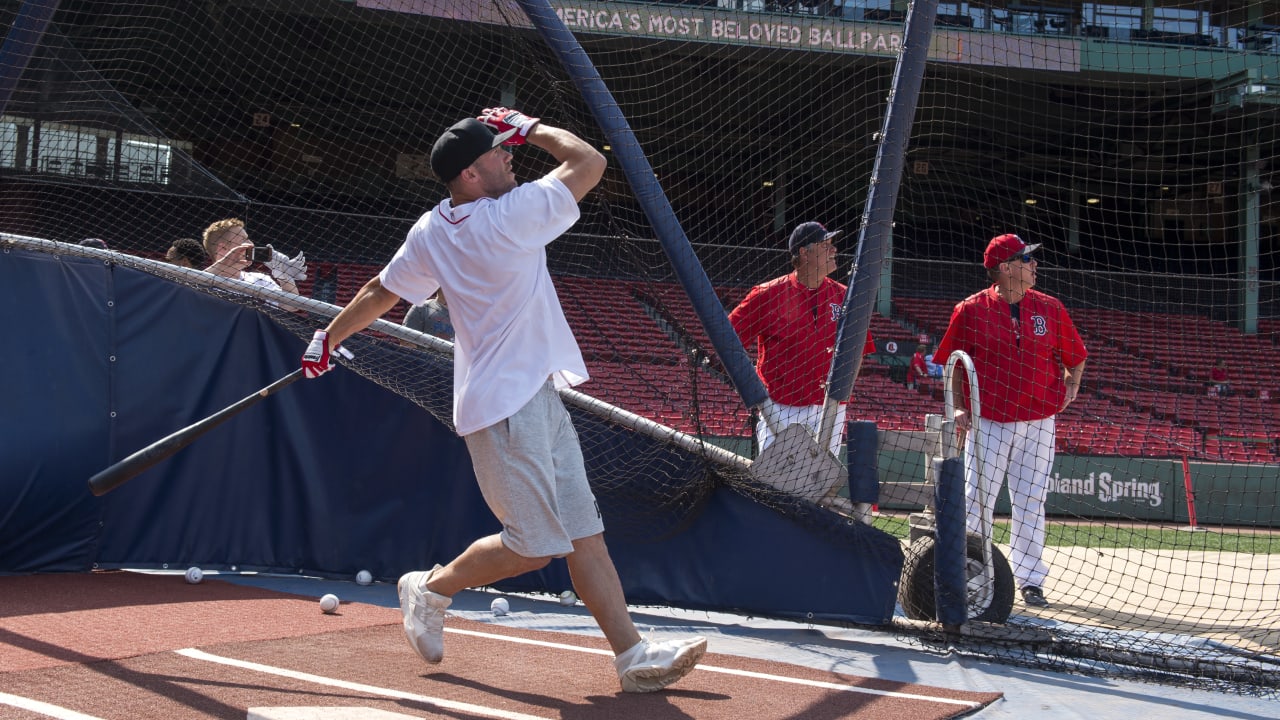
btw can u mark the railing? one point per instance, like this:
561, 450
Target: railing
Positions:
106, 171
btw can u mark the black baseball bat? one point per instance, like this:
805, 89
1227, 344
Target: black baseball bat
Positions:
130, 467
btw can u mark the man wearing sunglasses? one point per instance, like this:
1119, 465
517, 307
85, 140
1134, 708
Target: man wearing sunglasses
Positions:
1029, 360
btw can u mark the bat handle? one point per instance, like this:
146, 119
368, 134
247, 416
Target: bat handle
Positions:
283, 382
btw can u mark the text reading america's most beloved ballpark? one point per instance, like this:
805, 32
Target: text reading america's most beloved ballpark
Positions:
763, 32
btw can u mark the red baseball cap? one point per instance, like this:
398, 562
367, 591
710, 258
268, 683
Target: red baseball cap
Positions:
1003, 248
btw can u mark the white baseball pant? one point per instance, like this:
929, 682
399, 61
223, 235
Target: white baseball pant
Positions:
1023, 452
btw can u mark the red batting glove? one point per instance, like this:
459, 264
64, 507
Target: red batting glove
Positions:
316, 361
503, 119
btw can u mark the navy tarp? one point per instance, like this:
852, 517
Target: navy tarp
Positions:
54, 409
333, 475
327, 476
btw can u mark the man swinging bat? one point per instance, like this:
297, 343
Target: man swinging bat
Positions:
485, 246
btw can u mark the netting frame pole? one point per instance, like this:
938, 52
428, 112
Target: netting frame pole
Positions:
953, 543
862, 447
693, 278
950, 548
1192, 525
876, 230
20, 44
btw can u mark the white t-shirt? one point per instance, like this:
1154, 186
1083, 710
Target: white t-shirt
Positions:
490, 257
261, 280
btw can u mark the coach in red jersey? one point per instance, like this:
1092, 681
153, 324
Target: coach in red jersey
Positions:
793, 319
1029, 360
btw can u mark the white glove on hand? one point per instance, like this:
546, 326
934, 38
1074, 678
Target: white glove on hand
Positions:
281, 265
317, 360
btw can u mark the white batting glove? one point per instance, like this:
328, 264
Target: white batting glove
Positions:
318, 359
281, 265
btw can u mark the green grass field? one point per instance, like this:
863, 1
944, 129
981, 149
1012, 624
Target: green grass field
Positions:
1102, 535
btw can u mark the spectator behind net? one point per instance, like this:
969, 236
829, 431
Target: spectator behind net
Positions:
227, 242
931, 362
431, 317
187, 253
917, 369
1220, 379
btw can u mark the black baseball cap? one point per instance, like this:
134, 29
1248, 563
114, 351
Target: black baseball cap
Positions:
808, 234
463, 144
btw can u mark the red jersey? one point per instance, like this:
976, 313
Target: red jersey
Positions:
1019, 363
917, 369
794, 329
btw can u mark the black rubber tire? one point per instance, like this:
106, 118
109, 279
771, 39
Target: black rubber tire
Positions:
915, 590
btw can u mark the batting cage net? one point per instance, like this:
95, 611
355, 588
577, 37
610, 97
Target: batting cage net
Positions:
1130, 143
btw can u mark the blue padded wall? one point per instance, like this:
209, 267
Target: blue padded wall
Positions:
337, 474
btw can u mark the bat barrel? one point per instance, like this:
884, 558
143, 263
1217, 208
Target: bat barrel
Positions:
134, 465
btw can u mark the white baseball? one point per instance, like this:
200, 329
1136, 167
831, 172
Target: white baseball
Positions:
568, 598
328, 604
364, 577
194, 575
500, 606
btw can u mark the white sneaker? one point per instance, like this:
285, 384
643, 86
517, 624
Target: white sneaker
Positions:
650, 666
423, 614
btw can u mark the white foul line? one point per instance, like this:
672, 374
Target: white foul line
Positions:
730, 671
359, 687
201, 655
44, 708
839, 686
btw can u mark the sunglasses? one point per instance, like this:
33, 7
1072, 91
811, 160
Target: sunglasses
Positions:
1024, 258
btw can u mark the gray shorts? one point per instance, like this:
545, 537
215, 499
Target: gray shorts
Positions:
530, 471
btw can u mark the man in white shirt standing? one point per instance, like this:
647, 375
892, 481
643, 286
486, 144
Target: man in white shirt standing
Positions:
485, 246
